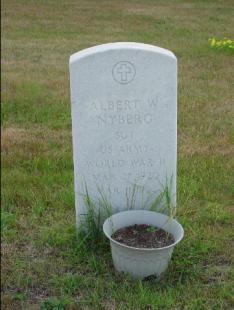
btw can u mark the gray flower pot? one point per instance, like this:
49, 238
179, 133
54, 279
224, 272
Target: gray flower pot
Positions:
140, 263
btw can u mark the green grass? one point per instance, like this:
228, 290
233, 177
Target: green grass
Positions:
43, 266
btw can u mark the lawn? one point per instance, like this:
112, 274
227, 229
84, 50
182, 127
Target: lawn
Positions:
42, 265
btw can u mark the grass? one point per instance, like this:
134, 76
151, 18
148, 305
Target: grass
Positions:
42, 265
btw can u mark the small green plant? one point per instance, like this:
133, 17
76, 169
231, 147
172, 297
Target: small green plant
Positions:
131, 196
104, 204
151, 229
90, 226
163, 202
225, 44
90, 229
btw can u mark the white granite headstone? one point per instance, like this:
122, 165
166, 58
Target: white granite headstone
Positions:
124, 122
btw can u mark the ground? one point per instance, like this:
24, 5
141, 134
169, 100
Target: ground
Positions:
43, 266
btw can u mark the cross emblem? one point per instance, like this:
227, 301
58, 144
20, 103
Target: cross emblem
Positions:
123, 72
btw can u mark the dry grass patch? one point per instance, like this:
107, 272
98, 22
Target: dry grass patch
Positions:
220, 146
25, 141
13, 137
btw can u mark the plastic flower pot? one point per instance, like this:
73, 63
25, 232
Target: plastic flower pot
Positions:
140, 263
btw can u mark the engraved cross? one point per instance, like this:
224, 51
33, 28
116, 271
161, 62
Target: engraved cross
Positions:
124, 70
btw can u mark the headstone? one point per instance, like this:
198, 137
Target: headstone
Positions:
124, 120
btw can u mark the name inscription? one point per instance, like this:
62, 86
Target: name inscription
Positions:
123, 149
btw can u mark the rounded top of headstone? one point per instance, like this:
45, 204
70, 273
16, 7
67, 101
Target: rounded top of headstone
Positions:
120, 46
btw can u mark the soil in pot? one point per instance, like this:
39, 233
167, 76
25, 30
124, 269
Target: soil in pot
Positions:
143, 236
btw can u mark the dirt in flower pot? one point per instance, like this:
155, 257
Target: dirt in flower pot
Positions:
143, 236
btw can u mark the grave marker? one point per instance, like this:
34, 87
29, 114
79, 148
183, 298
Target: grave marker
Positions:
124, 120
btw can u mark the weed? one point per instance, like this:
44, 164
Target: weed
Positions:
131, 194
164, 201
